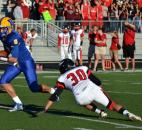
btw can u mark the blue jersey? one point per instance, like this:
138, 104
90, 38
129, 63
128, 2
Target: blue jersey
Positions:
15, 44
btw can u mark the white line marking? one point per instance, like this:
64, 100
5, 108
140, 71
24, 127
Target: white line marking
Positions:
116, 92
138, 83
131, 93
81, 129
106, 122
52, 76
5, 107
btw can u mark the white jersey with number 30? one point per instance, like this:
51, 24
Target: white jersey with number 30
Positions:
76, 79
84, 90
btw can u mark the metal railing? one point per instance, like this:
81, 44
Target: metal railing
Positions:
108, 26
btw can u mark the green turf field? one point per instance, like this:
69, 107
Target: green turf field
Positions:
125, 88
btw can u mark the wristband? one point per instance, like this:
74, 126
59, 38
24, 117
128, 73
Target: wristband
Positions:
3, 59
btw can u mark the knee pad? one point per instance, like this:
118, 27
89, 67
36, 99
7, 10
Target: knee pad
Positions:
34, 87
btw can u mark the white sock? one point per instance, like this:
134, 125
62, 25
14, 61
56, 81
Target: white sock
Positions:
17, 100
125, 112
98, 111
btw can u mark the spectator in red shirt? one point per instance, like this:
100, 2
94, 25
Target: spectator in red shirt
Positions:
93, 14
42, 7
85, 11
77, 12
115, 46
100, 49
69, 14
52, 10
25, 10
129, 44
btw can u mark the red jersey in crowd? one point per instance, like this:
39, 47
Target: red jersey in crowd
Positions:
100, 15
129, 36
114, 43
52, 10
93, 13
101, 38
26, 11
43, 7
85, 11
69, 13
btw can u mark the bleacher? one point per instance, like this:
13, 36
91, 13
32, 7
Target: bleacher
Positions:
45, 46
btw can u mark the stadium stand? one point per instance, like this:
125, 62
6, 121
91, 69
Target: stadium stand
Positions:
45, 46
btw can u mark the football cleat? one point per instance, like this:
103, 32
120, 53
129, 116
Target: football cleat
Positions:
103, 114
132, 116
17, 107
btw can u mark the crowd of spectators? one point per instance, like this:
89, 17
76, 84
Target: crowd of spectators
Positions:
97, 12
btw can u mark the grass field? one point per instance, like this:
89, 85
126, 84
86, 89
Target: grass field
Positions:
125, 88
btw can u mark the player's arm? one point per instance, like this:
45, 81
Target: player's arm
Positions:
130, 25
93, 78
97, 41
82, 38
59, 41
55, 96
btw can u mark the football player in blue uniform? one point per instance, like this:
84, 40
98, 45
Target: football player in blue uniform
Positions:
20, 60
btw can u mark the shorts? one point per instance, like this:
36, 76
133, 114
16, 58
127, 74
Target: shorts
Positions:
91, 93
100, 50
91, 51
128, 51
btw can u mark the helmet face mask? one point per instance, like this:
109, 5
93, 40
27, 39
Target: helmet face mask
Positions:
66, 65
6, 24
77, 26
65, 29
3, 31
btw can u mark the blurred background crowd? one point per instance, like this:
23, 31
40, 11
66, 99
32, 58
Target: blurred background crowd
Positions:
98, 12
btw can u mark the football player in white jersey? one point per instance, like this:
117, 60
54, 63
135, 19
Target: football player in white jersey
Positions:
85, 88
77, 37
29, 37
64, 43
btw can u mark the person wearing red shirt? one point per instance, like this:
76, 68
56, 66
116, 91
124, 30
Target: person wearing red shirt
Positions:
77, 12
129, 44
52, 10
25, 10
85, 11
100, 49
93, 14
114, 50
42, 7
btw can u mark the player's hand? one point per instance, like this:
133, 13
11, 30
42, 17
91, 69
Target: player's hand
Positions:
48, 105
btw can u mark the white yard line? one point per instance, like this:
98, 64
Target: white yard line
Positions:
130, 93
115, 92
106, 122
52, 76
82, 129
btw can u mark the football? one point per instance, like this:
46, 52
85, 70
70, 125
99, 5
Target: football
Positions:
3, 53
